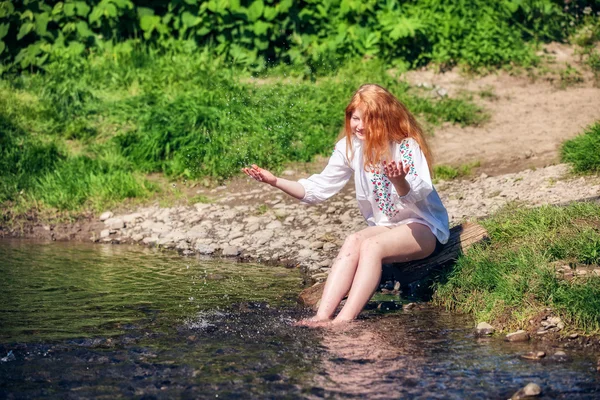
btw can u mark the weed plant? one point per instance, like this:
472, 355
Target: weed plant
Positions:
512, 278
582, 152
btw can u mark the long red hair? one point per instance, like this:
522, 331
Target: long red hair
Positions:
386, 121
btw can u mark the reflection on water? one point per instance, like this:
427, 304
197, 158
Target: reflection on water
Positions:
119, 321
434, 355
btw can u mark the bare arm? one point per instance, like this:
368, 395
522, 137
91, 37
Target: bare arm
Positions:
292, 188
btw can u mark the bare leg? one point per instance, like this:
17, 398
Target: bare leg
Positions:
342, 274
404, 243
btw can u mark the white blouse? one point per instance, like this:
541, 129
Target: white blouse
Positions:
377, 198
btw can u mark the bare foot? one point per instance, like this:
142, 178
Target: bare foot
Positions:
341, 322
313, 322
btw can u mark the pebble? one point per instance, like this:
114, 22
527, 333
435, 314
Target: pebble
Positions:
231, 251
530, 390
483, 328
205, 248
106, 215
534, 355
518, 336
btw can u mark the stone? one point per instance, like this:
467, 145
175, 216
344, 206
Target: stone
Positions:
150, 240
329, 246
236, 235
106, 215
274, 225
132, 218
483, 328
530, 390
324, 263
231, 251
166, 242
281, 213
202, 248
305, 253
559, 356
104, 233
534, 355
518, 336
263, 236
114, 223
316, 245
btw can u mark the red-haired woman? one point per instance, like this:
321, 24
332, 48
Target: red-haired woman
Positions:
383, 145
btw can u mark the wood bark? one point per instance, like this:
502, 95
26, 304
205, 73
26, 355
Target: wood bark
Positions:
461, 238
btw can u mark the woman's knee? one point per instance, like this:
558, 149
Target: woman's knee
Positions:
353, 241
370, 247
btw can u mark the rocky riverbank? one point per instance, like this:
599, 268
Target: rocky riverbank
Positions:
261, 224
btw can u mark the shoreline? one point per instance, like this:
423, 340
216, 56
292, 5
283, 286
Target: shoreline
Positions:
260, 224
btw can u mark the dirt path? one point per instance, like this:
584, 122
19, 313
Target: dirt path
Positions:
529, 119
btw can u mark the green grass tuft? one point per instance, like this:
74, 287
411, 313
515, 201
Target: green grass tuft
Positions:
582, 152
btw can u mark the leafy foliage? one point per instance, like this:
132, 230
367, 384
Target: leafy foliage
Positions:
317, 35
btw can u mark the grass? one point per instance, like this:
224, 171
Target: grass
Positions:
512, 278
447, 172
582, 151
85, 133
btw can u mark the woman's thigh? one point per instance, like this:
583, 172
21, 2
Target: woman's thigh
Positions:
403, 243
354, 240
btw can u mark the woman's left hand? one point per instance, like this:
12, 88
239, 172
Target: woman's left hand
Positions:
395, 171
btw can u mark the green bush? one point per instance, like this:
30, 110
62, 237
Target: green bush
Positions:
582, 151
315, 35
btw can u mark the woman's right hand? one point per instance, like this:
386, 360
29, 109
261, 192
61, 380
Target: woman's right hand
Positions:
261, 175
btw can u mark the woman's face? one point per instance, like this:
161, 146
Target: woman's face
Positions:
356, 124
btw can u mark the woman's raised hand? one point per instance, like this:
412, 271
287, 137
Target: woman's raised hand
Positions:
395, 171
261, 175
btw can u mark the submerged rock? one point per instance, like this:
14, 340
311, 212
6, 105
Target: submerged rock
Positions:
530, 390
534, 355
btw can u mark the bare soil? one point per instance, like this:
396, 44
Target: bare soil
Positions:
531, 114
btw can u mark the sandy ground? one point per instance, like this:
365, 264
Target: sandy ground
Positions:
530, 116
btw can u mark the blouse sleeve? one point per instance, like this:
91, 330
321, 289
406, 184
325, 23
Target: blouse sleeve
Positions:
418, 176
320, 187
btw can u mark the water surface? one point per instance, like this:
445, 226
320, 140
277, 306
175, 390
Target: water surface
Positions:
105, 321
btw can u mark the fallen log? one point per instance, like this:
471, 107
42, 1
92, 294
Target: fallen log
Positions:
461, 238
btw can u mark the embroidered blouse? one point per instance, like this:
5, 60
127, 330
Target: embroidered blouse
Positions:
378, 201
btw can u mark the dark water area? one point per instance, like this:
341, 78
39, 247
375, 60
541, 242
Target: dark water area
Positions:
94, 321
